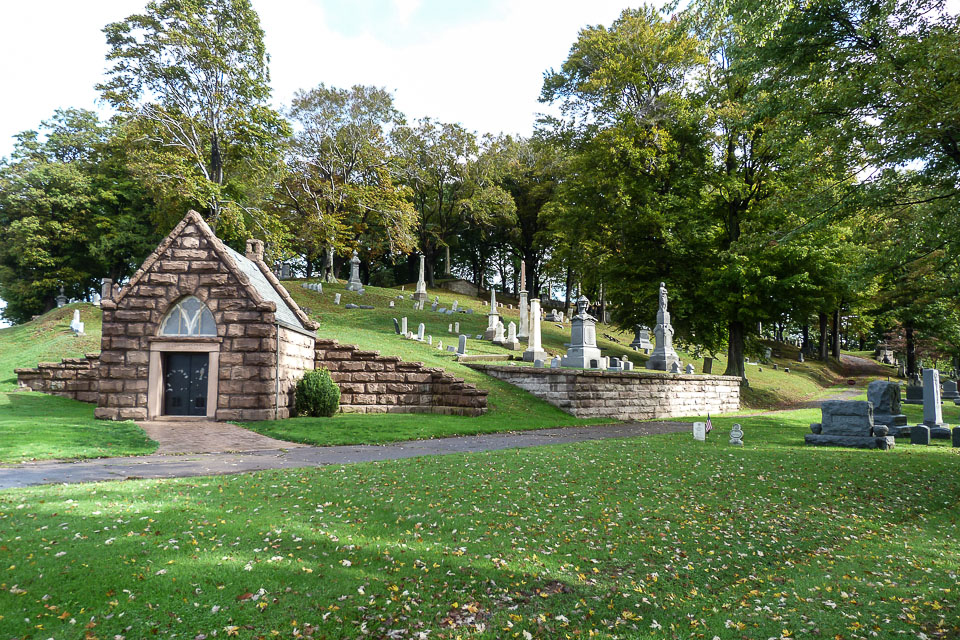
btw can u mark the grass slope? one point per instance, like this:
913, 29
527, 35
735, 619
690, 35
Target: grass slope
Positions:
656, 537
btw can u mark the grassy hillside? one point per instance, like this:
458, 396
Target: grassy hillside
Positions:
47, 339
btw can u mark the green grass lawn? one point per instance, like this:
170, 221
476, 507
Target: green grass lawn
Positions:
34, 426
655, 537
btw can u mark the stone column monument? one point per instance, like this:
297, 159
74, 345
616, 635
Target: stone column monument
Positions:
420, 295
523, 332
493, 317
534, 351
583, 352
354, 284
932, 411
663, 356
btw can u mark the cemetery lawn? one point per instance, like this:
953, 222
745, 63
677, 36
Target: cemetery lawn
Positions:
35, 426
654, 537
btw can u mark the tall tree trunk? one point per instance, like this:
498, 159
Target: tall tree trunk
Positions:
446, 262
735, 366
805, 345
824, 339
911, 350
836, 333
309, 266
428, 262
566, 304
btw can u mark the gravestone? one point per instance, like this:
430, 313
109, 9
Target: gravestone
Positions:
955, 441
708, 365
932, 409
538, 364
96, 299
767, 354
848, 423
455, 304
420, 330
456, 327
396, 326
450, 328
439, 345
392, 304
462, 345
774, 366
451, 349
534, 350
350, 305
420, 295
523, 331
336, 299
914, 390
626, 364
433, 307
478, 337
430, 340
75, 325
498, 337
493, 317
354, 284
442, 310
403, 325
663, 357
700, 431
554, 316
689, 370
61, 299
285, 271
512, 342
950, 390
800, 357
885, 397
920, 434
555, 362
641, 338
583, 352
736, 436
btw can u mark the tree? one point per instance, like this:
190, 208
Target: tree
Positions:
70, 213
192, 75
340, 188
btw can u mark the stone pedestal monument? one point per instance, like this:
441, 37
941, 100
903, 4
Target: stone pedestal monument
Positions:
663, 357
61, 299
524, 330
534, 350
420, 295
950, 390
932, 411
354, 284
885, 397
493, 317
914, 390
641, 338
583, 352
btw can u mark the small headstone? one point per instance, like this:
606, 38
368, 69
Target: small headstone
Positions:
350, 305
439, 345
956, 437
319, 287
950, 390
478, 337
469, 312
627, 365
336, 299
700, 431
392, 304
688, 370
920, 434
736, 435
538, 364
800, 357
420, 329
433, 307
430, 340
456, 327
498, 337
396, 326
451, 349
403, 325
555, 362
462, 345
708, 365
442, 310
774, 366
456, 303
786, 369
675, 367
450, 328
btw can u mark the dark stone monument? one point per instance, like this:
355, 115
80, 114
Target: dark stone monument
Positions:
920, 434
914, 390
708, 365
956, 437
885, 397
849, 423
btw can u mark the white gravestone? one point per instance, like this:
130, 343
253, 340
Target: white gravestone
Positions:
493, 317
420, 295
336, 299
736, 435
403, 325
700, 431
512, 342
354, 284
534, 350
420, 330
498, 337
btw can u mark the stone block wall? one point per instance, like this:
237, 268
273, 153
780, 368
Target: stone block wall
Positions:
297, 354
635, 395
76, 378
371, 383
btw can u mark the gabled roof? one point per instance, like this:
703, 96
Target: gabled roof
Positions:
260, 284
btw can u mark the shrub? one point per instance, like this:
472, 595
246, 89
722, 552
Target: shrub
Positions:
316, 394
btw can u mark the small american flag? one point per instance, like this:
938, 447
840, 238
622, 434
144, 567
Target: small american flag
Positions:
709, 424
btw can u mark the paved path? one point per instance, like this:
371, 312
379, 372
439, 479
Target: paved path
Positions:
166, 466
208, 437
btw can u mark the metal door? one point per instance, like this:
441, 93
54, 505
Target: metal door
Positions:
185, 384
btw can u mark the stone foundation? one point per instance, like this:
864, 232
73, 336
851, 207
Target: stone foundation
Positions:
371, 383
76, 378
635, 395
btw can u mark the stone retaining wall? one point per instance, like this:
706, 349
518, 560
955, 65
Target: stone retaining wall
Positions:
371, 383
636, 395
76, 378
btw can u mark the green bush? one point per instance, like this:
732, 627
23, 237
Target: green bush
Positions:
316, 394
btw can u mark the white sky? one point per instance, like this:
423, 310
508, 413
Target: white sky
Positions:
480, 64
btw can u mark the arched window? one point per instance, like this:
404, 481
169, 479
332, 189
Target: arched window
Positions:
189, 317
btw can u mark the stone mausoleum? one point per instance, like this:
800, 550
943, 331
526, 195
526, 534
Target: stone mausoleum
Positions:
202, 331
